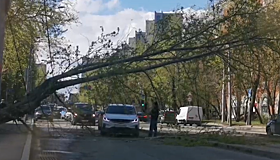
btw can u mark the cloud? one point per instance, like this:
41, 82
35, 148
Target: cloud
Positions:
95, 6
113, 4
128, 20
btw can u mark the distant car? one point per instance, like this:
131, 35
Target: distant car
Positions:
120, 118
168, 117
143, 117
273, 126
44, 111
82, 113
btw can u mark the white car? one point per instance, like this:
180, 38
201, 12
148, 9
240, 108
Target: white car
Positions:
120, 118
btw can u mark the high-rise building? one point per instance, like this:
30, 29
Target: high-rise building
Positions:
150, 30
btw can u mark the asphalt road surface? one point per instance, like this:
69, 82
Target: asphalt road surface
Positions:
74, 143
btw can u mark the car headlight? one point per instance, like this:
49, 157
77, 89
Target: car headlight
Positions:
93, 115
105, 119
135, 120
37, 113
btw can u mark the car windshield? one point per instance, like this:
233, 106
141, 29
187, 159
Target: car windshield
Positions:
140, 114
121, 109
85, 107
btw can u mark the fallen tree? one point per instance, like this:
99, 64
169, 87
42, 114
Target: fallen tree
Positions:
198, 37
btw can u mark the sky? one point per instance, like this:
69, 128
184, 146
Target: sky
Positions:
128, 15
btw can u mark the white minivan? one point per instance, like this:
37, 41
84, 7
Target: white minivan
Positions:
190, 115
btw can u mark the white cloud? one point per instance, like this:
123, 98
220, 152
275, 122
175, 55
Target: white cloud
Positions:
113, 4
128, 20
95, 6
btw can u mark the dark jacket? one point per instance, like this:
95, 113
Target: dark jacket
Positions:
154, 113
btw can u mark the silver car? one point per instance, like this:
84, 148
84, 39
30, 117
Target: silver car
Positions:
120, 118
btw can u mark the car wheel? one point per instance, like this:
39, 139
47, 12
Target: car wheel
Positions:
268, 131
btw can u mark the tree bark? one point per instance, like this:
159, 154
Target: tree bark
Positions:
4, 8
238, 98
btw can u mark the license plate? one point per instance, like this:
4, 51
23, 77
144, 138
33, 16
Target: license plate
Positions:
84, 120
120, 125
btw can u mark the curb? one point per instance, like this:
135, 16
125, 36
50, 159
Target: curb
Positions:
27, 147
248, 150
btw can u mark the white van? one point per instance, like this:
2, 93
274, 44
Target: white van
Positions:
190, 115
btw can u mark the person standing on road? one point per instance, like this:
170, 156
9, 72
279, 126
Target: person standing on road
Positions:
154, 118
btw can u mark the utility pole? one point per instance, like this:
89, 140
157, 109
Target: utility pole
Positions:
229, 90
4, 8
224, 96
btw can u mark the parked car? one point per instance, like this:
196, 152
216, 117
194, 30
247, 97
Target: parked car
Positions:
44, 111
52, 106
82, 113
168, 117
143, 117
273, 126
120, 118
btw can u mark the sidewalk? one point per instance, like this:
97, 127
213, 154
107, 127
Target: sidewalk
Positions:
12, 141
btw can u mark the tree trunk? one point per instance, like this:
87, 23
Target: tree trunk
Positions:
252, 104
238, 98
174, 102
4, 8
278, 109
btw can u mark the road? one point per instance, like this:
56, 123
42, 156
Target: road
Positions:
71, 142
